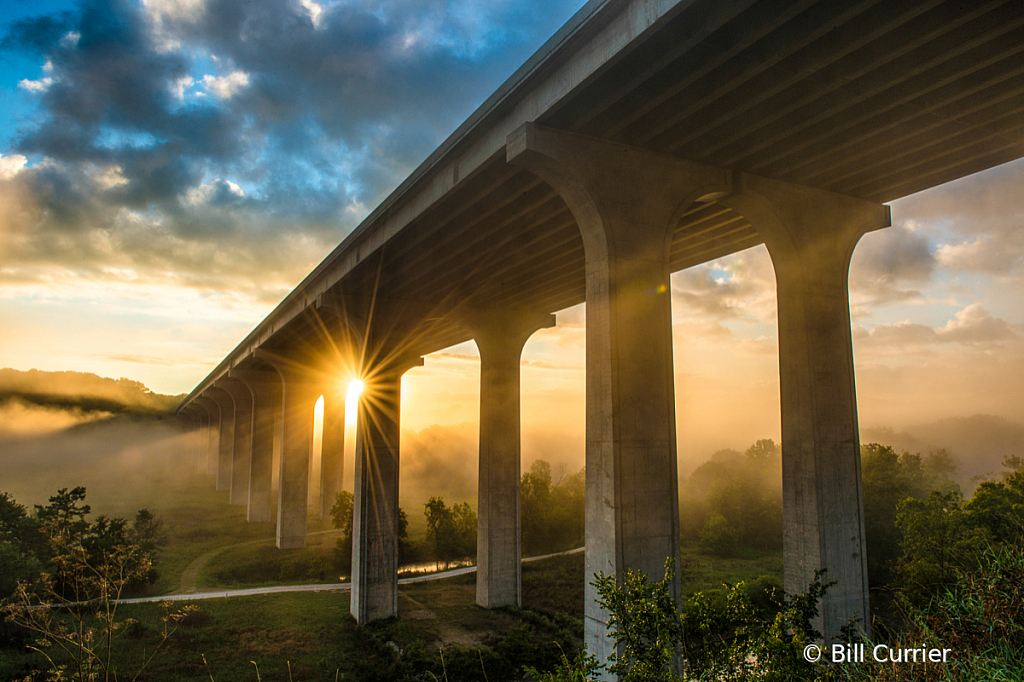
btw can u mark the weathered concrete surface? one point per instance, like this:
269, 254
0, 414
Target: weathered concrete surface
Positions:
500, 337
626, 202
375, 516
226, 439
238, 492
811, 235
266, 389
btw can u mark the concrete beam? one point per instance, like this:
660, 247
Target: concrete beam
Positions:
626, 202
375, 517
226, 439
500, 337
811, 235
266, 391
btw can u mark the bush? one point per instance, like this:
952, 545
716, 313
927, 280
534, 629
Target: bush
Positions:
718, 537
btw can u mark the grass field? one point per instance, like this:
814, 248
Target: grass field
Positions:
314, 634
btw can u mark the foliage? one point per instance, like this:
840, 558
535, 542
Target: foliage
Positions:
734, 640
342, 517
979, 617
70, 607
888, 480
451, 530
744, 488
342, 514
718, 537
551, 512
937, 539
30, 543
644, 623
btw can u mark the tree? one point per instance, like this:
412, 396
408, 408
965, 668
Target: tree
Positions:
450, 530
70, 605
718, 537
745, 488
888, 479
342, 515
551, 513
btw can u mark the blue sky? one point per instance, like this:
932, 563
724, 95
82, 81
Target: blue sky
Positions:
170, 169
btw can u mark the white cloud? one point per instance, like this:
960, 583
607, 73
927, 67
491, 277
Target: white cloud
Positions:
216, 191
982, 255
180, 85
315, 11
110, 177
37, 87
225, 87
972, 326
11, 165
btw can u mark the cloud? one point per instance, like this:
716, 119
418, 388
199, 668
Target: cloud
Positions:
314, 112
972, 326
890, 266
39, 86
979, 220
740, 286
11, 165
226, 87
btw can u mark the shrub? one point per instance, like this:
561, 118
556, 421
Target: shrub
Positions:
718, 537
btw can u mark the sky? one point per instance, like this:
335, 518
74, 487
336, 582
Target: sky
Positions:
171, 169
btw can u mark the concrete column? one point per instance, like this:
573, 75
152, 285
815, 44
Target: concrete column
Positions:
298, 401
626, 202
195, 436
242, 450
188, 418
202, 436
500, 337
811, 235
375, 521
332, 453
226, 441
265, 388
213, 446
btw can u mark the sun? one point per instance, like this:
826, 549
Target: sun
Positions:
355, 388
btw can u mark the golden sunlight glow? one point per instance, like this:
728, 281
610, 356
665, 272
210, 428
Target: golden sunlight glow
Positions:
355, 388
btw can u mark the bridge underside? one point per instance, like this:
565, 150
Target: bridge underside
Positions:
645, 138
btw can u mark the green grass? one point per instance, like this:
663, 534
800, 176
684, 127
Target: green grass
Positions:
314, 633
261, 564
704, 573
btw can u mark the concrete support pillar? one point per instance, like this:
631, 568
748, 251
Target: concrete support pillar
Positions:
811, 235
298, 401
242, 449
500, 337
202, 436
375, 520
265, 388
226, 440
213, 446
332, 446
189, 420
626, 202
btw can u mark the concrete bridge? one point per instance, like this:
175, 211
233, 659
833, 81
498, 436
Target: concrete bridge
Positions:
645, 137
